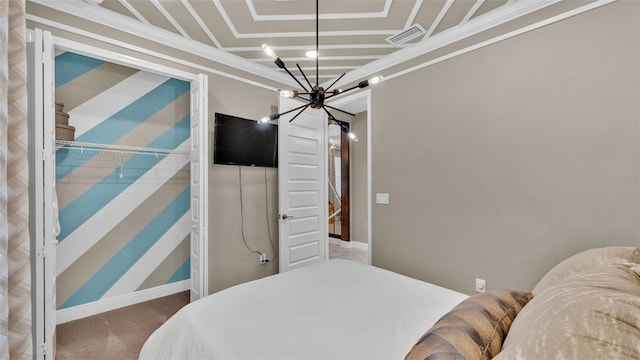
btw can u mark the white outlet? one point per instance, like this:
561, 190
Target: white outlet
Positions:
382, 198
481, 285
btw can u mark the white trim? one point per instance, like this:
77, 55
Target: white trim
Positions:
133, 61
447, 37
135, 12
438, 19
359, 245
472, 11
100, 306
200, 22
124, 23
506, 36
327, 58
349, 244
170, 18
414, 12
357, 15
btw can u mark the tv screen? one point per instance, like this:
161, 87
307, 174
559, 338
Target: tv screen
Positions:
238, 141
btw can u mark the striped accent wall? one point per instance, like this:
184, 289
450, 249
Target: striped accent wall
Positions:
124, 217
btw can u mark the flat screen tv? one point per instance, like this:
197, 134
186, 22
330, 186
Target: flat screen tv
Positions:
238, 141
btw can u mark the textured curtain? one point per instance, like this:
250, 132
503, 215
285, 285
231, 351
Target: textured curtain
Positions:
15, 266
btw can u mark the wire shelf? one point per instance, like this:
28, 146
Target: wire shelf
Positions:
82, 146
71, 155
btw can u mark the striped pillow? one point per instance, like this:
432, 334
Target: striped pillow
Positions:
474, 329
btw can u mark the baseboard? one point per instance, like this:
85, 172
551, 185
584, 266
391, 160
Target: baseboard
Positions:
349, 244
100, 306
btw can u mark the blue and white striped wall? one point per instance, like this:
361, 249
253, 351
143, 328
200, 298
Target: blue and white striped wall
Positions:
124, 216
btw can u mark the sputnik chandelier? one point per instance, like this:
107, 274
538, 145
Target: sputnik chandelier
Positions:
314, 96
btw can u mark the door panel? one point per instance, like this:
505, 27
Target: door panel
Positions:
199, 187
43, 213
302, 187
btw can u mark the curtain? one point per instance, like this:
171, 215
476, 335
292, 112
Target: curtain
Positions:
15, 266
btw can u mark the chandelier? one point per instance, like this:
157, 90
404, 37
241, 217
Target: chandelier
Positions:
315, 95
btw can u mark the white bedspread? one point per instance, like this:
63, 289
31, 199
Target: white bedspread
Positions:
335, 310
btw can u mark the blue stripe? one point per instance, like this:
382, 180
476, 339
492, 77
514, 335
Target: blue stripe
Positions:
105, 190
125, 120
182, 273
68, 159
113, 270
69, 66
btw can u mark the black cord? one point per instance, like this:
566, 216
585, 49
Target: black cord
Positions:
266, 211
244, 240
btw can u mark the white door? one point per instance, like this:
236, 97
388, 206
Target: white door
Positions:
302, 164
43, 214
199, 187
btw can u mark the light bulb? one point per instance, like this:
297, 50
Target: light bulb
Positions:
269, 52
352, 136
288, 93
264, 120
311, 54
375, 80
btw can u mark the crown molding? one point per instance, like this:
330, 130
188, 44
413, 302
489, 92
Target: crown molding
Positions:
447, 37
295, 17
123, 23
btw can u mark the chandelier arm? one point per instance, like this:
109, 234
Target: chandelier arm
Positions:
294, 78
294, 109
305, 76
300, 112
336, 109
333, 83
331, 117
338, 122
340, 93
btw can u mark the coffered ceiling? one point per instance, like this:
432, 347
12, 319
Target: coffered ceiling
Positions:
355, 36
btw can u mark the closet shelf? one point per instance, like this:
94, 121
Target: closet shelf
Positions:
121, 149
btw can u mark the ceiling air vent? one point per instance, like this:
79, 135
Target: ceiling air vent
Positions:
406, 35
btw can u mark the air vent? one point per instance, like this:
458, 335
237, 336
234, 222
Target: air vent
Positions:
406, 35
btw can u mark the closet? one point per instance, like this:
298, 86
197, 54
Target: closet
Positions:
126, 178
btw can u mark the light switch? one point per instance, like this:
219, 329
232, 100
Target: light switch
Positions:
382, 198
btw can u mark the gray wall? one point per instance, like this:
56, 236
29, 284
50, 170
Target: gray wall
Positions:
359, 179
230, 262
512, 157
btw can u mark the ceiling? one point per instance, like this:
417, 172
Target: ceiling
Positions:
354, 35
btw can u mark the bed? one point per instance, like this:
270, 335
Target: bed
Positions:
335, 310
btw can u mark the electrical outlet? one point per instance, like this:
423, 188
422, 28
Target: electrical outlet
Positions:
263, 259
481, 285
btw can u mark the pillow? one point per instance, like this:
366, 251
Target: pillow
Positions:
474, 329
588, 259
591, 315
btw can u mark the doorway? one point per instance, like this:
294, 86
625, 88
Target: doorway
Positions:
349, 181
193, 148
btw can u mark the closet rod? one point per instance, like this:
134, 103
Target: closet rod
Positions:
116, 148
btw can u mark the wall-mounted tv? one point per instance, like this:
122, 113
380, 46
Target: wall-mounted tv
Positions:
238, 141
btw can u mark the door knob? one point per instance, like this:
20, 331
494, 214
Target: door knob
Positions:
285, 216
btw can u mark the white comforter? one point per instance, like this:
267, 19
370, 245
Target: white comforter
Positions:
335, 310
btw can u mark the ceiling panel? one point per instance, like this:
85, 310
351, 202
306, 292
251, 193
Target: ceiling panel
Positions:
352, 33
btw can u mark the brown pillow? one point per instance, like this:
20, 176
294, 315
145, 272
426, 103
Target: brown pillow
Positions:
473, 330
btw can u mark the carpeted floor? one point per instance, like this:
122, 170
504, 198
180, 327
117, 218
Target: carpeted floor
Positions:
353, 254
117, 334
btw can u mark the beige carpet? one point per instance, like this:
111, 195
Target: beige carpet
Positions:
117, 334
353, 254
